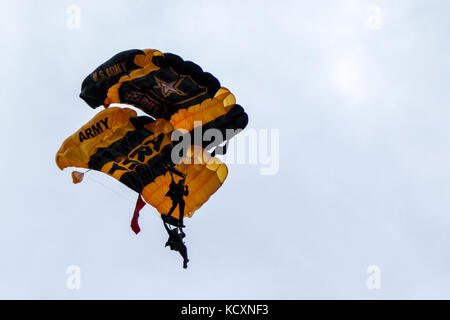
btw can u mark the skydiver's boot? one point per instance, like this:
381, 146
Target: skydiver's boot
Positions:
171, 220
185, 263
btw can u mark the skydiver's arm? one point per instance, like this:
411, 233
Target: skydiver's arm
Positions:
186, 190
177, 172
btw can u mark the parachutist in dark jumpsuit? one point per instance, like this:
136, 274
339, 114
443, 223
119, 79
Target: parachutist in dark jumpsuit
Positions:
176, 193
175, 242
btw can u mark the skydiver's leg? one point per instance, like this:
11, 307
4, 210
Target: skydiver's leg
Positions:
183, 251
174, 205
181, 207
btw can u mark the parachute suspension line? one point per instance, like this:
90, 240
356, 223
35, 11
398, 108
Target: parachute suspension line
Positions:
110, 189
139, 204
172, 170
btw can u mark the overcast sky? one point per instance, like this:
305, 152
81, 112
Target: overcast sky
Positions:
359, 93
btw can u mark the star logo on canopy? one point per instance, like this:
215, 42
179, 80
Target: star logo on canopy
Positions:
167, 88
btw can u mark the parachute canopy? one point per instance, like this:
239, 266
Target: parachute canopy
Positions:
137, 151
164, 86
178, 97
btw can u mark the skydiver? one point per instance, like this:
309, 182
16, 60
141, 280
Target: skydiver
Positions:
176, 193
175, 242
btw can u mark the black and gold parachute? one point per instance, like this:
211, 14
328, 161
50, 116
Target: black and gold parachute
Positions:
164, 86
178, 97
136, 150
